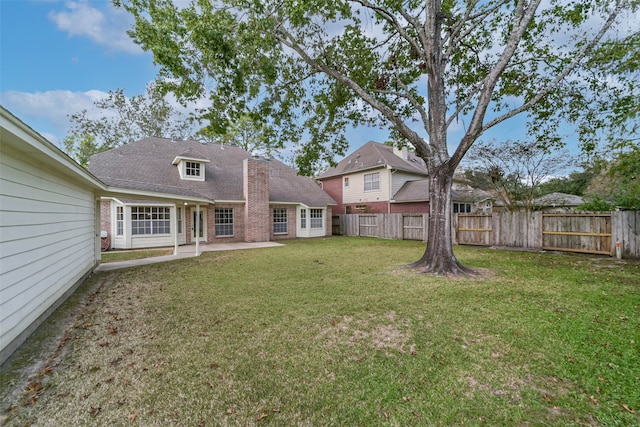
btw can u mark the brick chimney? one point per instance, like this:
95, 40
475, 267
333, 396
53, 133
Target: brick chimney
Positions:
257, 218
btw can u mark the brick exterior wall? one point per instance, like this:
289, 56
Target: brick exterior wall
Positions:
105, 216
187, 222
372, 207
238, 223
412, 207
257, 215
329, 213
333, 187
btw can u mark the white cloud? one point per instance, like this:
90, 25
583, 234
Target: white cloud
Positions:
106, 25
48, 112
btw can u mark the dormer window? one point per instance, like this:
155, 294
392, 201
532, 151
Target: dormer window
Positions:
190, 168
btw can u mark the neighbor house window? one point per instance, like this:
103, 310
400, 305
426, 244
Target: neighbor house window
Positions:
179, 218
303, 218
461, 207
346, 181
119, 220
192, 169
280, 224
372, 181
148, 220
224, 222
316, 218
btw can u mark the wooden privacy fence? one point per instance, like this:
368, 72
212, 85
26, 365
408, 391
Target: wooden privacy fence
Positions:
588, 233
595, 233
473, 229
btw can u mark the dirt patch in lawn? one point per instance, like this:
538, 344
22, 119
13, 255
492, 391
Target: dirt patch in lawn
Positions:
25, 375
383, 333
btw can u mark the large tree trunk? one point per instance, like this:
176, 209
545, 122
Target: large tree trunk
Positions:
438, 257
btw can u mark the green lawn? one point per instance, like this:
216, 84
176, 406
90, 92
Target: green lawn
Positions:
334, 332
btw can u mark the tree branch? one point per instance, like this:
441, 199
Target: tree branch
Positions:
288, 40
568, 69
522, 17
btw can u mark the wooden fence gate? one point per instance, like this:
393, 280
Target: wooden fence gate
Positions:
412, 227
368, 226
587, 233
474, 229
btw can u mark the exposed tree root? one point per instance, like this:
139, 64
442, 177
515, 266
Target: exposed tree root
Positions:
450, 268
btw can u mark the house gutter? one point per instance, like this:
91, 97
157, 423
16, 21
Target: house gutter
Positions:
117, 191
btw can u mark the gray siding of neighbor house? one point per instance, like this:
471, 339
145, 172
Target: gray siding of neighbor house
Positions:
48, 228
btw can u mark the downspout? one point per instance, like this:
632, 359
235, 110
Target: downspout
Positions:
175, 230
197, 229
391, 172
97, 224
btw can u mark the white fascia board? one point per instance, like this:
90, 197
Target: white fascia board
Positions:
178, 159
284, 203
355, 171
115, 192
229, 201
108, 198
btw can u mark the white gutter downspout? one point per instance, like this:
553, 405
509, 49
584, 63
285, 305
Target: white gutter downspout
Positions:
391, 172
197, 229
175, 230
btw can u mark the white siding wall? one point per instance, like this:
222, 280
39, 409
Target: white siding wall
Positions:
47, 240
355, 193
151, 241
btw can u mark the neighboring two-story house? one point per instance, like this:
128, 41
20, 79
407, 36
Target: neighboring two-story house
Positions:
206, 192
378, 178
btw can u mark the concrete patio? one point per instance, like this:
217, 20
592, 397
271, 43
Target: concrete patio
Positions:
186, 251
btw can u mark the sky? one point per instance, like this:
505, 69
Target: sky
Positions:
58, 56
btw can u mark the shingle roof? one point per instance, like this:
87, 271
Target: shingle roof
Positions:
413, 191
374, 155
418, 191
558, 199
146, 165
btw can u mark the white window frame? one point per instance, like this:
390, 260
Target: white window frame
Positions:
303, 218
372, 181
280, 221
316, 218
119, 220
155, 221
222, 224
192, 169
